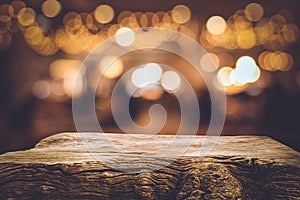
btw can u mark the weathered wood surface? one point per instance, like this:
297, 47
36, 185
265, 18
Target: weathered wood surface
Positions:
238, 167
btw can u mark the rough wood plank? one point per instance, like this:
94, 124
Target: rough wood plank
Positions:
238, 167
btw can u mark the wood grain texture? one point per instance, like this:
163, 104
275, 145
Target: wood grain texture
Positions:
238, 167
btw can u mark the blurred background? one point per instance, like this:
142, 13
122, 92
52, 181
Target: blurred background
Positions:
252, 50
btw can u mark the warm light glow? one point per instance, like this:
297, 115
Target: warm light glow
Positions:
274, 61
181, 14
290, 32
226, 59
170, 81
51, 8
246, 71
88, 21
144, 21
33, 35
235, 79
224, 76
132, 90
60, 68
210, 62
6, 12
26, 16
152, 93
245, 61
125, 36
216, 25
41, 89
166, 19
72, 21
155, 19
57, 87
246, 39
17, 6
104, 14
73, 83
111, 67
103, 104
254, 12
146, 76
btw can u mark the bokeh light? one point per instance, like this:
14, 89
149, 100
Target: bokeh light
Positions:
275, 61
17, 6
125, 36
33, 35
26, 16
132, 90
6, 13
146, 76
254, 12
216, 25
246, 71
170, 81
210, 62
51, 8
104, 14
181, 14
251, 53
73, 83
60, 68
224, 76
111, 67
246, 39
41, 89
153, 93
57, 88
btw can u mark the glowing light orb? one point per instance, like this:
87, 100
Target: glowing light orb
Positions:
146, 76
125, 36
111, 67
210, 62
216, 25
170, 81
104, 14
224, 76
246, 70
41, 89
254, 12
51, 8
181, 14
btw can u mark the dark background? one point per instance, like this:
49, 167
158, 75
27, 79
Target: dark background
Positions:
24, 119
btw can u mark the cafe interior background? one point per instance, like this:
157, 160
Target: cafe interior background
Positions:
254, 47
